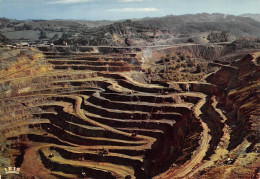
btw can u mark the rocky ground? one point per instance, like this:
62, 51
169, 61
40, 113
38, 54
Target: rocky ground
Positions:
182, 111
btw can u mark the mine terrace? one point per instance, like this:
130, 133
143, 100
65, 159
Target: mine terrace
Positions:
131, 108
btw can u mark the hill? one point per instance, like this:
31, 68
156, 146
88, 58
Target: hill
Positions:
197, 28
187, 24
120, 33
253, 16
32, 30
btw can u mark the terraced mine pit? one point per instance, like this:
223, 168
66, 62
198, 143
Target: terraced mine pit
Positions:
149, 113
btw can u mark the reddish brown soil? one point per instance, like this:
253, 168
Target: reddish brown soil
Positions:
124, 115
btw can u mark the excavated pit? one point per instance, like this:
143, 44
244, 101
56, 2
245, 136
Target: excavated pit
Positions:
97, 116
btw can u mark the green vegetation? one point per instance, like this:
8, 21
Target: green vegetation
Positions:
215, 37
180, 66
114, 34
43, 35
4, 39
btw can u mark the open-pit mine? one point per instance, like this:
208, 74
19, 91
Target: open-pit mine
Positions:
179, 111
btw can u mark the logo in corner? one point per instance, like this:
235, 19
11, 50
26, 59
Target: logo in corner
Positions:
12, 170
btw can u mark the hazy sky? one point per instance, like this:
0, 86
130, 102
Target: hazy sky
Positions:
120, 9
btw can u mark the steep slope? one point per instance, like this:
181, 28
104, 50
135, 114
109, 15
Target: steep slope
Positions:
95, 115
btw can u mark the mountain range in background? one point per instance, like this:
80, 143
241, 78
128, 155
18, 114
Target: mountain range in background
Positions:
253, 16
196, 28
238, 25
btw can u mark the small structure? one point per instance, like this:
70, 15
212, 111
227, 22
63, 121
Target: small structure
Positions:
24, 44
16, 45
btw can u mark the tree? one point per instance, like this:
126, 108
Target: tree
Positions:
43, 35
56, 36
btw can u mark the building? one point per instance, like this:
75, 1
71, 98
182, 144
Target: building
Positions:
24, 44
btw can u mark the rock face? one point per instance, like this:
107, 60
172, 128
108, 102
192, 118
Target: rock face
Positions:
241, 107
96, 115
